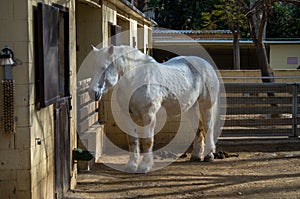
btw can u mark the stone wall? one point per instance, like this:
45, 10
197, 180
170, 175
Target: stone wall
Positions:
27, 167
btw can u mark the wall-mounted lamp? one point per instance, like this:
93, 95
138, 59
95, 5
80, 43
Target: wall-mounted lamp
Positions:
8, 88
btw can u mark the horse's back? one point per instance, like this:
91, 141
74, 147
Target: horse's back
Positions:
203, 72
197, 62
183, 78
197, 65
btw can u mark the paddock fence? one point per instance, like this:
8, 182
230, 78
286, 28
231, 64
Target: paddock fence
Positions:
256, 109
261, 109
251, 112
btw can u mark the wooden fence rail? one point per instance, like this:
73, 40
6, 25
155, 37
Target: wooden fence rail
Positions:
261, 109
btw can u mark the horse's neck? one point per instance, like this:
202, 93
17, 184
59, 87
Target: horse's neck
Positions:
132, 61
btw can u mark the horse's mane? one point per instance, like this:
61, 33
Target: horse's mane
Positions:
133, 55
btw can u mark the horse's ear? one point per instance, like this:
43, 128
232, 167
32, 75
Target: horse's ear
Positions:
95, 49
111, 50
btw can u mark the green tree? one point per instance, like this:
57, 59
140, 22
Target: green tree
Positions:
257, 13
180, 14
284, 21
190, 14
228, 12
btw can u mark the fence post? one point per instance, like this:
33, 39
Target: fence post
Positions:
295, 108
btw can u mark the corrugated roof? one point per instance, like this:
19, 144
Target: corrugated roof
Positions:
164, 31
219, 41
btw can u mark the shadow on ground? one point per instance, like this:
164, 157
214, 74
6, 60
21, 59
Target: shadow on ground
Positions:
259, 174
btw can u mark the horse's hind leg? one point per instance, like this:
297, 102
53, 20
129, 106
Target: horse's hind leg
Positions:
204, 134
196, 125
196, 147
207, 134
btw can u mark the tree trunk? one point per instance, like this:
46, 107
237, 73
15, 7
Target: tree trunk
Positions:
236, 51
257, 24
266, 70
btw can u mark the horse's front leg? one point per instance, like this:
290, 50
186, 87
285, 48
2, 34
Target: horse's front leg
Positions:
147, 140
147, 163
134, 154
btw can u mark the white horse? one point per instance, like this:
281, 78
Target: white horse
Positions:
183, 84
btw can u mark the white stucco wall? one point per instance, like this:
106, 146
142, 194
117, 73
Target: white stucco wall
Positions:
279, 55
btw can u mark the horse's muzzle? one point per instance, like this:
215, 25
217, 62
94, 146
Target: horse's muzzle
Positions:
98, 96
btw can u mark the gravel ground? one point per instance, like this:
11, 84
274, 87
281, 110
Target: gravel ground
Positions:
270, 170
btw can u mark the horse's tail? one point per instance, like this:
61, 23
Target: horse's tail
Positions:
214, 130
216, 119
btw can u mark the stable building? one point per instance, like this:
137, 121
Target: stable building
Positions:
218, 44
43, 44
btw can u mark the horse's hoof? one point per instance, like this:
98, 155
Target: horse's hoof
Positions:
195, 159
184, 155
209, 158
144, 168
131, 168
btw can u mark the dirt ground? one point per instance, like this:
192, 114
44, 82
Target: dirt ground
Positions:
262, 170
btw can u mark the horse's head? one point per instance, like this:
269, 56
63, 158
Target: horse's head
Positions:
110, 62
106, 70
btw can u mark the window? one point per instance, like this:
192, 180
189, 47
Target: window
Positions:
52, 52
